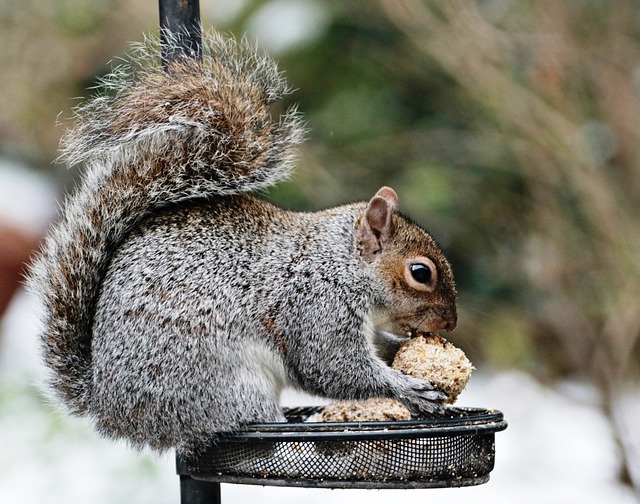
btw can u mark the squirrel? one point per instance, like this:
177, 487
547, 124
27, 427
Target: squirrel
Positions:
177, 305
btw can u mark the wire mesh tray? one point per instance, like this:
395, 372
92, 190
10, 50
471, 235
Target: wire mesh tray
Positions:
454, 450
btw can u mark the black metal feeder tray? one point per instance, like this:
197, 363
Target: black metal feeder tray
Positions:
453, 450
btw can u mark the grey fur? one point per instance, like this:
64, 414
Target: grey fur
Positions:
177, 306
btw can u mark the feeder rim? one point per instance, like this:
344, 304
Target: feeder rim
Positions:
470, 421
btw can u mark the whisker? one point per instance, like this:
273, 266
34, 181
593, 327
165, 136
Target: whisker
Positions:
421, 320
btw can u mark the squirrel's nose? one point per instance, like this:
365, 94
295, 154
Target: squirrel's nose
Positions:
452, 320
448, 322
451, 324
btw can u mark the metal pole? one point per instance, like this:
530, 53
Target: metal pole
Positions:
194, 491
180, 19
198, 492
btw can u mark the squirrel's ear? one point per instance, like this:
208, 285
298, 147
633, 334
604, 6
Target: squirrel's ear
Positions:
375, 226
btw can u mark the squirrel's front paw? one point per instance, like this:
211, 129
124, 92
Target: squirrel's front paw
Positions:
421, 398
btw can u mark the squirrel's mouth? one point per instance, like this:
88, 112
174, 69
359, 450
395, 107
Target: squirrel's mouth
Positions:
410, 326
413, 332
425, 327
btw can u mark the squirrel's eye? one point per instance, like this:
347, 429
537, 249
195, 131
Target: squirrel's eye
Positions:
421, 273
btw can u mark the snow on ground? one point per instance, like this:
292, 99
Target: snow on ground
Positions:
27, 198
557, 448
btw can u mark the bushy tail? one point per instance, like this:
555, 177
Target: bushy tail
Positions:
155, 137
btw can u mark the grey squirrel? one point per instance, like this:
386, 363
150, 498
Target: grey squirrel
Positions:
177, 305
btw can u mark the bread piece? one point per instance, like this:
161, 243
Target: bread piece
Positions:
431, 357
369, 410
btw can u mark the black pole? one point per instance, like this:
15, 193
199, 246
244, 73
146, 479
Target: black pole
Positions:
180, 20
194, 491
198, 492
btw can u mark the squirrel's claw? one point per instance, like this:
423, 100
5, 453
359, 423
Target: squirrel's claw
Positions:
423, 399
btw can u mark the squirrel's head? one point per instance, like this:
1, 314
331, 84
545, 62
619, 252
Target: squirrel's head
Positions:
416, 288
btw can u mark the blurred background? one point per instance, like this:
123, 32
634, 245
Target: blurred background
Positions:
509, 129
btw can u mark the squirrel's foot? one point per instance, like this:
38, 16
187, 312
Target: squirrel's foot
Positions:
421, 398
